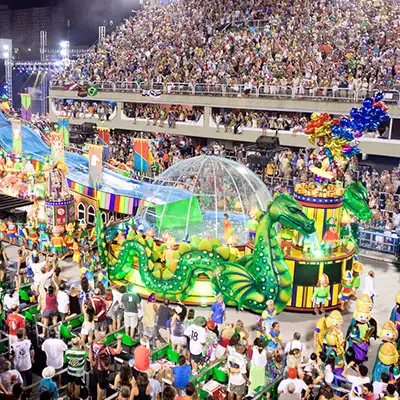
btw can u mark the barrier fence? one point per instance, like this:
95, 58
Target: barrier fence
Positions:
155, 89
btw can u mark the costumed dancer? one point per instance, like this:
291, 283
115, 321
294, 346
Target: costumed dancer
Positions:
86, 265
44, 239
121, 236
395, 316
3, 230
33, 236
82, 232
359, 333
21, 234
357, 269
286, 236
334, 341
387, 361
346, 291
57, 241
251, 228
268, 316
319, 333
228, 229
321, 294
76, 257
70, 235
12, 232
235, 254
330, 238
131, 229
346, 234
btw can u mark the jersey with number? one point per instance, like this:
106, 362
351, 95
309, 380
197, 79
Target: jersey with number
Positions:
197, 337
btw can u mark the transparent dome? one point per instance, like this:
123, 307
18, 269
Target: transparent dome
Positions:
191, 197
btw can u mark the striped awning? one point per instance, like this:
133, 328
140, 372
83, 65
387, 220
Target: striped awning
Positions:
9, 202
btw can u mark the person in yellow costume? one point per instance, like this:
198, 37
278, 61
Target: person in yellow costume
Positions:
232, 247
228, 229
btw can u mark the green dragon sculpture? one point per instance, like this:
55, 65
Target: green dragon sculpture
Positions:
265, 277
355, 200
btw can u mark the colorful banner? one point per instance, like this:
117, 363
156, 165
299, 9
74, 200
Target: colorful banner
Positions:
104, 136
16, 127
95, 164
57, 146
26, 101
63, 127
141, 149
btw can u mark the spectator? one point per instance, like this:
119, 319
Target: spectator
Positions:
141, 387
237, 384
47, 384
88, 326
130, 303
290, 394
62, 301
181, 373
164, 317
124, 377
380, 387
295, 344
141, 356
190, 391
292, 378
100, 311
100, 357
149, 316
50, 309
22, 356
54, 349
14, 321
155, 385
9, 377
197, 338
76, 358
178, 338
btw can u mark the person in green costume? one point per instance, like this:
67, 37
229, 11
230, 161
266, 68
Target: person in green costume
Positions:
251, 228
321, 294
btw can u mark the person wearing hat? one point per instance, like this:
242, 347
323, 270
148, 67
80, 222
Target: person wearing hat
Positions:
197, 337
346, 290
299, 384
330, 237
76, 357
321, 294
395, 315
47, 384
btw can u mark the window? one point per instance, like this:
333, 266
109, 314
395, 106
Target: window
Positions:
91, 215
81, 211
104, 217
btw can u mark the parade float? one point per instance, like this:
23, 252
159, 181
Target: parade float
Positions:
191, 250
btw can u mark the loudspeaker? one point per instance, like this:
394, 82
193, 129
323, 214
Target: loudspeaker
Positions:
267, 142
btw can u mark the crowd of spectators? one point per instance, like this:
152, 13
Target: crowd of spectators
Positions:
236, 121
159, 113
302, 44
101, 110
251, 356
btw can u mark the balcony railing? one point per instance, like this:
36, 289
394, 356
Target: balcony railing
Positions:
247, 91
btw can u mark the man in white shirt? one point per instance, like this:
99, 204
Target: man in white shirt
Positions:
38, 268
54, 349
22, 354
380, 387
292, 378
357, 380
237, 384
369, 285
197, 337
295, 344
11, 298
62, 301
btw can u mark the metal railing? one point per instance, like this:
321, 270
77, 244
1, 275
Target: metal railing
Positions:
378, 240
242, 90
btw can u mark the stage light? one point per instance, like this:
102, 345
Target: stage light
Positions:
29, 50
6, 55
63, 53
63, 44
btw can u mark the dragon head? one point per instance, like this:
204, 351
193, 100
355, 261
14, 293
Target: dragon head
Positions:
288, 212
355, 199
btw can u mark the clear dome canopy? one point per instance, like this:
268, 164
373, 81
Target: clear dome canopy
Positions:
200, 191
